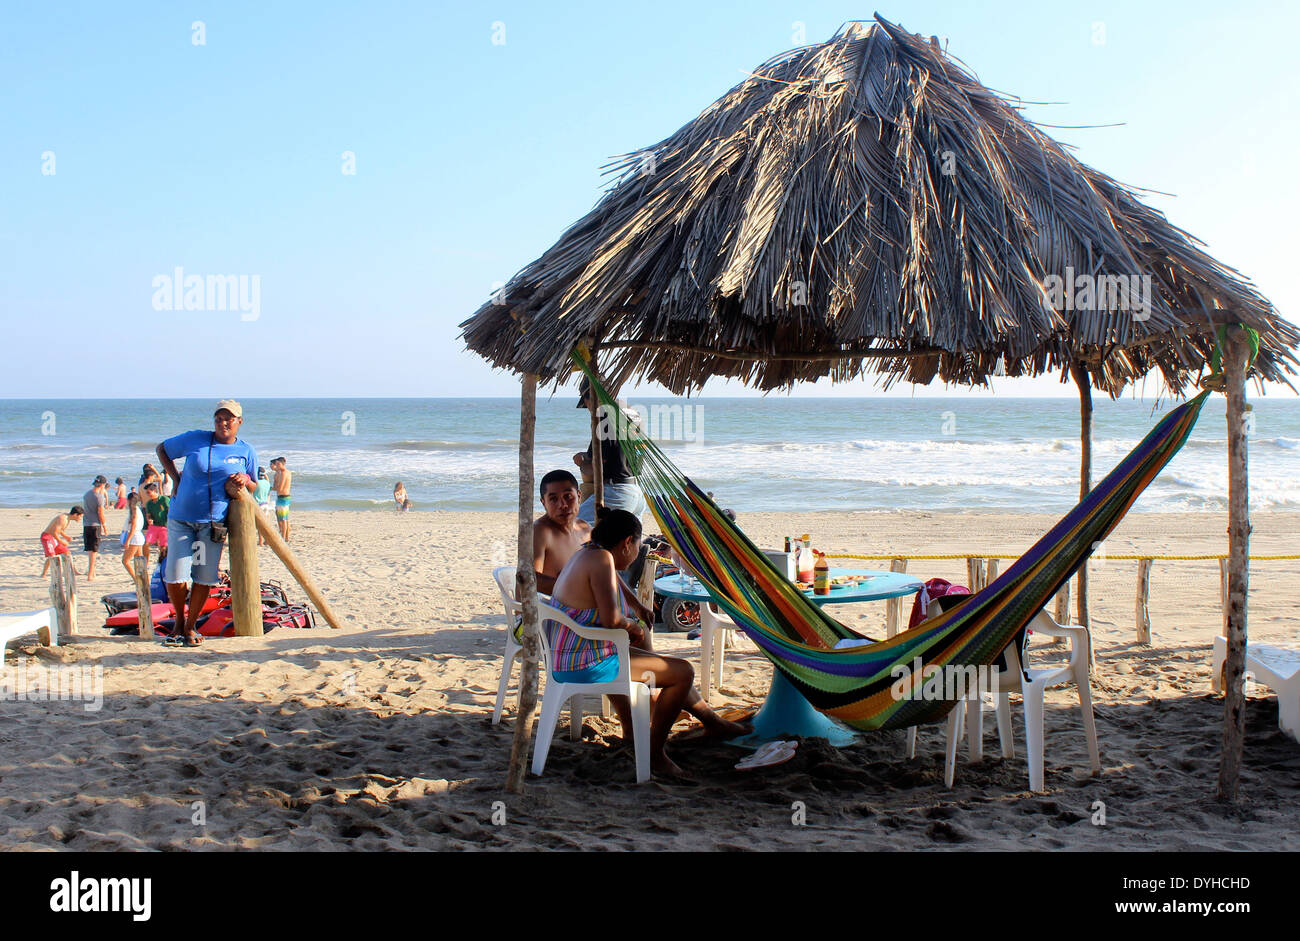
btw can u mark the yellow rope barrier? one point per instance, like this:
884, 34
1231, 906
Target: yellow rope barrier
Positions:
981, 555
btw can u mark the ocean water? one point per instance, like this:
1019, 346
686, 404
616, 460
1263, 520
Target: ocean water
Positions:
765, 454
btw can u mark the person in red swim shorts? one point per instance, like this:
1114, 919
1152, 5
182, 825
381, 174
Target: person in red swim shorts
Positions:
54, 540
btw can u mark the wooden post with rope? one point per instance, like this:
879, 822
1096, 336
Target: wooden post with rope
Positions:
1143, 604
526, 592
894, 607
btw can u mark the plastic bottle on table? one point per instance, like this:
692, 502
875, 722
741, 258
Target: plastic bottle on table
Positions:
821, 576
806, 560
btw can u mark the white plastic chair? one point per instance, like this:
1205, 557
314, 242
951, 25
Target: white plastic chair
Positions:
715, 634
558, 693
504, 576
1275, 667
1031, 683
13, 626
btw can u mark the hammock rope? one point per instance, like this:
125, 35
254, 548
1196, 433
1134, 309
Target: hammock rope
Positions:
858, 685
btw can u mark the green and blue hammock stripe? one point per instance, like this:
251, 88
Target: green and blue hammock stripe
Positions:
858, 685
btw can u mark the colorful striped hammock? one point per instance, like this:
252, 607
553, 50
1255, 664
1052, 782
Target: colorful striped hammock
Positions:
859, 686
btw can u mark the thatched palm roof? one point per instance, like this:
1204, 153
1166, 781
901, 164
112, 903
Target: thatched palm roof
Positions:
866, 196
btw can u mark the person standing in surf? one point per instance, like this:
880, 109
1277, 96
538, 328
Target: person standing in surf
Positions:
281, 485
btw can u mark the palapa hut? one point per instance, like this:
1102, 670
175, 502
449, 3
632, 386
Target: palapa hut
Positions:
866, 206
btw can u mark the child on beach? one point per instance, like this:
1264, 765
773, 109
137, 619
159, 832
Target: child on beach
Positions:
120, 500
54, 538
400, 498
155, 513
134, 533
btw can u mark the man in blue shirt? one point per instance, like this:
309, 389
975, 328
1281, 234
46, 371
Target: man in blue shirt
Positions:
217, 464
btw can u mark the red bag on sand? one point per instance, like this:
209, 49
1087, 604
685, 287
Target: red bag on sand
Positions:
218, 623
161, 611
934, 588
288, 615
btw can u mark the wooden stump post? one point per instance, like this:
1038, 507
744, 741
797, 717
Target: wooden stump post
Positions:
59, 600
1236, 364
143, 597
245, 583
526, 591
990, 571
974, 573
70, 589
894, 607
1143, 605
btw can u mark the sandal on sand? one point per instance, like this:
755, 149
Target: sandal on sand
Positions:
173, 640
194, 640
773, 753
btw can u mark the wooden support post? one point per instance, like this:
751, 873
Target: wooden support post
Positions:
1081, 379
1143, 608
271, 534
597, 459
894, 607
1236, 364
245, 583
143, 597
990, 571
974, 573
525, 591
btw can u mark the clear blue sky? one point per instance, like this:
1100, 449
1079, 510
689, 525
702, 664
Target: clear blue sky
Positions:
472, 158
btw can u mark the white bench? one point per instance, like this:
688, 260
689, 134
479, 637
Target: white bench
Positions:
1277, 668
13, 626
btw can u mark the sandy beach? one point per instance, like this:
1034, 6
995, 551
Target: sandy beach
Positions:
378, 736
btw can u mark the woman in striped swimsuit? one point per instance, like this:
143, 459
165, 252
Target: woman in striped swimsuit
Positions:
587, 591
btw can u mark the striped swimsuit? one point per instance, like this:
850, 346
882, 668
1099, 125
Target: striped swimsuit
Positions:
578, 660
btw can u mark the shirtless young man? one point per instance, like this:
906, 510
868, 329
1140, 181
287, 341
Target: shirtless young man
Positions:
54, 539
283, 480
559, 534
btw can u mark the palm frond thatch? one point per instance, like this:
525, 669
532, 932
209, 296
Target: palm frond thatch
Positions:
867, 196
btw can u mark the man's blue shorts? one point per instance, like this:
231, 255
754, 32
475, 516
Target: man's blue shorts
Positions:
191, 554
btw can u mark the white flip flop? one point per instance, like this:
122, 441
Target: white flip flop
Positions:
773, 753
